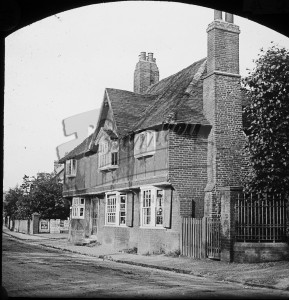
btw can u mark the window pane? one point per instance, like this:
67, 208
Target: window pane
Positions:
122, 209
146, 210
73, 167
159, 207
136, 144
114, 158
147, 216
68, 167
111, 209
143, 143
150, 141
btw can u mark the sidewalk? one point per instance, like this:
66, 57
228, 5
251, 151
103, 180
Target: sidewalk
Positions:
270, 275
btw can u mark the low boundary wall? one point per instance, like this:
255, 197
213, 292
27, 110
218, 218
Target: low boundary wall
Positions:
37, 225
260, 252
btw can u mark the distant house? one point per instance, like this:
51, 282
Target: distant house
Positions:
161, 152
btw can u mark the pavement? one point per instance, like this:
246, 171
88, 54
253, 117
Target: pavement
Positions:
273, 275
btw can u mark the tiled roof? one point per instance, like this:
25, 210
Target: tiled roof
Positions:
180, 98
78, 150
128, 107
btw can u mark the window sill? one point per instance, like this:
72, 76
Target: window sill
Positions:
108, 168
70, 176
152, 227
145, 154
114, 225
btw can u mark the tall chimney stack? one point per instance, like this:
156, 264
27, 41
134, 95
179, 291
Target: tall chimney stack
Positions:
146, 73
222, 108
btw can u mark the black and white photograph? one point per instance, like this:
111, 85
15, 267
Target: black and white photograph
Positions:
146, 150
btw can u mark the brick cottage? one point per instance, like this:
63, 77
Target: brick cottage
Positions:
162, 152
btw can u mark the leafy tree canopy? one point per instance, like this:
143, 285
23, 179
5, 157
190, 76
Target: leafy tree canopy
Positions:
41, 194
267, 122
12, 198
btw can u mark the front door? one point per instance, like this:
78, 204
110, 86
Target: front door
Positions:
95, 207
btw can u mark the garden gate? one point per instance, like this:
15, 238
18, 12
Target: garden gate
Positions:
201, 237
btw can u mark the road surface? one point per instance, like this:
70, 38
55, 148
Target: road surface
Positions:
29, 270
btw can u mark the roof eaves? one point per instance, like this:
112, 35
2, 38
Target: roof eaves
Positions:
77, 151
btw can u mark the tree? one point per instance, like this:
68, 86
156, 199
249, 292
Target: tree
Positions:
11, 201
267, 122
46, 197
41, 194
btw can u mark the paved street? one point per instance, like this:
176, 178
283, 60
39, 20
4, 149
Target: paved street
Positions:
34, 271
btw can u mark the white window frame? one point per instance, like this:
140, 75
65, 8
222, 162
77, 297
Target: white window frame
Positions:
78, 208
151, 193
71, 167
145, 144
108, 154
120, 210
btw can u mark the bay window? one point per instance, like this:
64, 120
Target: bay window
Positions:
70, 166
78, 208
108, 154
145, 144
116, 209
152, 207
111, 209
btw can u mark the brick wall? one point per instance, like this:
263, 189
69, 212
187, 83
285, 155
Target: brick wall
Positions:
223, 109
146, 240
223, 47
260, 252
146, 73
188, 170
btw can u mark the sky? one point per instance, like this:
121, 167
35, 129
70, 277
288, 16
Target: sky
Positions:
56, 69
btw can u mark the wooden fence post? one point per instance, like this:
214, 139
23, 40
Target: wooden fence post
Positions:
204, 237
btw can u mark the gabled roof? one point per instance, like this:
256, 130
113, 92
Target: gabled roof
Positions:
110, 133
175, 99
128, 107
180, 99
107, 132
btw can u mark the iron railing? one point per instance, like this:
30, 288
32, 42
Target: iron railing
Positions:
260, 218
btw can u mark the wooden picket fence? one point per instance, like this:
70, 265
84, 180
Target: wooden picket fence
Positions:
192, 237
201, 237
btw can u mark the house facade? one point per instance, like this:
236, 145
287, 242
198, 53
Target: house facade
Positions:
161, 152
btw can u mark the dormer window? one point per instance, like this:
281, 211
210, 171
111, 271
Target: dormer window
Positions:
70, 165
145, 144
108, 154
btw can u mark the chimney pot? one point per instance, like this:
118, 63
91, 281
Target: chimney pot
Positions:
229, 18
150, 56
217, 14
142, 56
146, 72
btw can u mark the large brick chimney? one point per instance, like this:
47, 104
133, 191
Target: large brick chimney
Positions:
146, 73
222, 108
